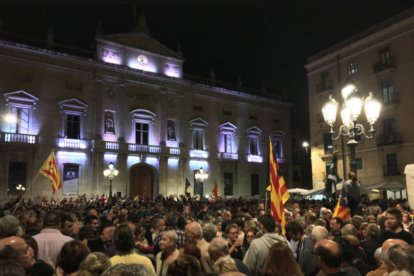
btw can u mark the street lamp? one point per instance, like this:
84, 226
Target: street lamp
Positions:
110, 173
305, 144
200, 177
21, 189
351, 110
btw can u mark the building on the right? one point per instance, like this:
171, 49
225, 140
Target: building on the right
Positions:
378, 60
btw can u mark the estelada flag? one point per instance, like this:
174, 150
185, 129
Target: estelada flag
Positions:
342, 210
215, 189
279, 193
51, 171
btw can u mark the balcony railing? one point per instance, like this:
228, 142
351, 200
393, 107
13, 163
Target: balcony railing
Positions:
228, 156
391, 170
381, 66
254, 158
389, 139
144, 148
18, 138
112, 145
72, 143
323, 86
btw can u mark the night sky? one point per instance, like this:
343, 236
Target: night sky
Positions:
260, 41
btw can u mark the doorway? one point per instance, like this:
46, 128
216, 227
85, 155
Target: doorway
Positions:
141, 181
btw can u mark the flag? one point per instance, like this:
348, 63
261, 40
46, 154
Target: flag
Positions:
215, 190
332, 178
279, 193
342, 210
51, 171
187, 184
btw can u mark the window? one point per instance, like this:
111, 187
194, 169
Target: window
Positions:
227, 133
109, 124
389, 130
142, 119
353, 68
20, 104
254, 184
73, 112
254, 134
197, 108
384, 56
228, 183
278, 144
198, 127
325, 82
387, 89
392, 164
17, 175
327, 143
141, 133
254, 148
358, 163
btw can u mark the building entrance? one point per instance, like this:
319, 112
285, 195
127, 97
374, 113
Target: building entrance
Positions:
141, 181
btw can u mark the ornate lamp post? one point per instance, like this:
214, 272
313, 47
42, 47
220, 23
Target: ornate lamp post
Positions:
200, 177
110, 173
21, 189
305, 145
351, 110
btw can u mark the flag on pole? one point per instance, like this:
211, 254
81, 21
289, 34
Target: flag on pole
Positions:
51, 171
279, 193
342, 210
187, 184
215, 190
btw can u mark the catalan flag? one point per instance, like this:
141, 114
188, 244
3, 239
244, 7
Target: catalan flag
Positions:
51, 171
279, 193
215, 190
342, 210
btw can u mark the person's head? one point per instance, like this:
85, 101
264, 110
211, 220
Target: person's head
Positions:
294, 230
123, 239
267, 223
92, 221
68, 224
394, 218
209, 231
168, 240
193, 232
9, 226
372, 231
158, 224
400, 257
85, 233
184, 265
191, 249
16, 248
352, 176
108, 233
30, 241
171, 219
319, 233
128, 270
336, 223
281, 261
225, 264
218, 248
71, 255
11, 268
94, 264
250, 235
349, 229
328, 255
52, 220
232, 232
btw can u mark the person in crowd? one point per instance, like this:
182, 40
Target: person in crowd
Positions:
353, 192
157, 226
307, 258
248, 238
70, 257
329, 258
124, 244
259, 248
383, 267
336, 224
185, 265
234, 241
168, 253
107, 237
219, 250
209, 231
129, 270
295, 234
193, 234
68, 226
15, 248
395, 229
406, 220
9, 226
348, 262
11, 267
370, 243
400, 257
50, 240
92, 221
281, 262
171, 221
94, 264
33, 225
40, 267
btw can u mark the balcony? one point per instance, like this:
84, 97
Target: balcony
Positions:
393, 170
18, 138
382, 66
389, 139
254, 158
114, 146
144, 148
228, 156
72, 143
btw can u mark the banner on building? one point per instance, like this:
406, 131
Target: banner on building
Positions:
70, 179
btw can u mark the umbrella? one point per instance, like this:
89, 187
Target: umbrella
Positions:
297, 191
388, 185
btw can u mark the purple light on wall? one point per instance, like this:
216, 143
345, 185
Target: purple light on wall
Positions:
254, 158
111, 56
148, 67
172, 70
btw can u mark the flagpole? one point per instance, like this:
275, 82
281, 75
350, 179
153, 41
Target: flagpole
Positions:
265, 201
25, 191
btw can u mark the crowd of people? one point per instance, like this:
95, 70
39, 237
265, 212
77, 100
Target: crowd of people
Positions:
188, 236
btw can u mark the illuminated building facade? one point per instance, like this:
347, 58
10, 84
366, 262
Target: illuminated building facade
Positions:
131, 105
378, 60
